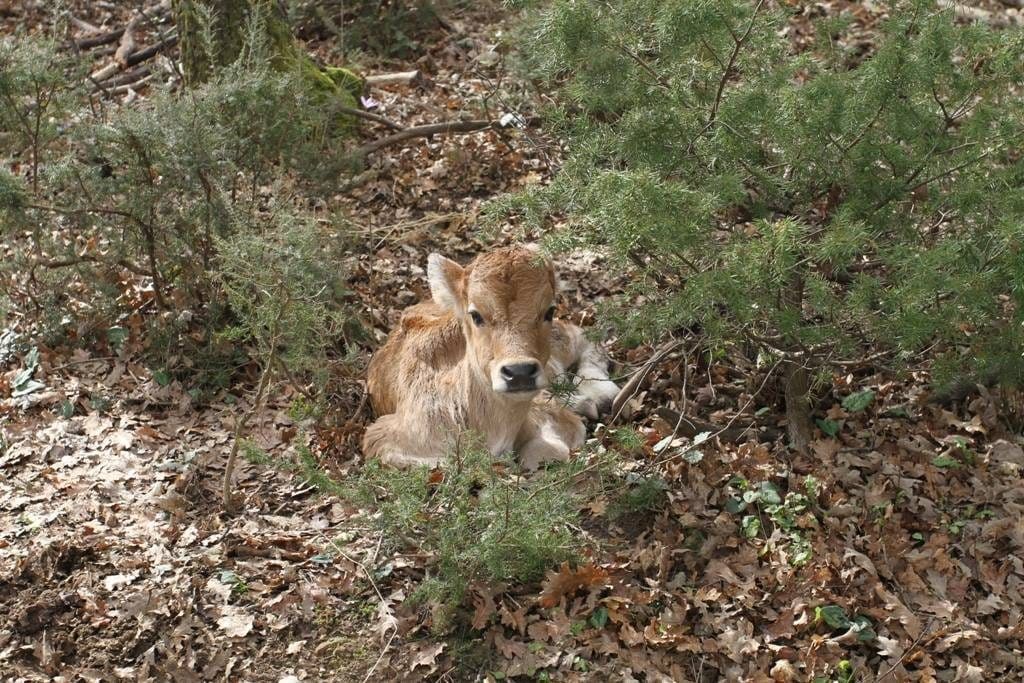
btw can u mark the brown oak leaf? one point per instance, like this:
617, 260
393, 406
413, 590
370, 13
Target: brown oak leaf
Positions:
566, 581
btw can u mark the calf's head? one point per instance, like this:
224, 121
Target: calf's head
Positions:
505, 301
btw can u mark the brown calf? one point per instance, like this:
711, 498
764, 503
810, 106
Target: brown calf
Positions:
478, 357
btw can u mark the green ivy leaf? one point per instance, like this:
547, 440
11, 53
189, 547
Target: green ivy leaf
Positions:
117, 336
67, 409
945, 461
751, 526
859, 401
828, 427
599, 618
801, 554
833, 615
735, 506
770, 494
865, 629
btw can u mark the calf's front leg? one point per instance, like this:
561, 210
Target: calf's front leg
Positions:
594, 391
387, 440
550, 434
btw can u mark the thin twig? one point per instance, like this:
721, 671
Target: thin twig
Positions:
732, 421
633, 386
737, 46
658, 79
682, 394
261, 391
366, 572
917, 641
380, 596
381, 656
369, 116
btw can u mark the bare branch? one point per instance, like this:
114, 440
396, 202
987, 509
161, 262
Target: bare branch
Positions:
737, 46
369, 116
398, 78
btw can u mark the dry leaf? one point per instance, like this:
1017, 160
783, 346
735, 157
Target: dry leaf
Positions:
235, 622
567, 581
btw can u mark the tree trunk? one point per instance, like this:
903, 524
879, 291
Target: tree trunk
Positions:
795, 377
212, 35
798, 408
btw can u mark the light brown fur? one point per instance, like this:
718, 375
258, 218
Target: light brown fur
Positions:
440, 371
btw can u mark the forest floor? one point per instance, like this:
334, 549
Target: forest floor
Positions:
117, 561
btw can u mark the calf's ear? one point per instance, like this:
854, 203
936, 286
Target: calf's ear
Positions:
447, 282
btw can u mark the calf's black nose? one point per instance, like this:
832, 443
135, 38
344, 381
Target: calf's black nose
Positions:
520, 376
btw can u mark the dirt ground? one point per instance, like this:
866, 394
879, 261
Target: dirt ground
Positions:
905, 560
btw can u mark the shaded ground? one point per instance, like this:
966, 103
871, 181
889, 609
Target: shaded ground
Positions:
894, 551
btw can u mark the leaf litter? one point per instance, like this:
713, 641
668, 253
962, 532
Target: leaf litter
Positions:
903, 561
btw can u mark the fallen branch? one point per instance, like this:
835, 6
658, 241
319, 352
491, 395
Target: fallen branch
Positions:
632, 387
133, 85
128, 78
369, 116
427, 130
398, 78
127, 45
54, 264
145, 53
115, 34
83, 25
734, 431
99, 39
107, 73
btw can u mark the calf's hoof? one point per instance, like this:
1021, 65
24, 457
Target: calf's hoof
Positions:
594, 397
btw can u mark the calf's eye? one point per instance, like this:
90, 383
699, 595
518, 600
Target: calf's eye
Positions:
478, 319
550, 314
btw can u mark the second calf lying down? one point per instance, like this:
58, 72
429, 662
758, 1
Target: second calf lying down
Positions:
478, 357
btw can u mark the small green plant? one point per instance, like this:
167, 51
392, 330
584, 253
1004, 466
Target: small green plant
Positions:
959, 454
835, 618
961, 517
638, 493
859, 401
38, 88
788, 515
480, 523
239, 586
282, 294
843, 673
628, 439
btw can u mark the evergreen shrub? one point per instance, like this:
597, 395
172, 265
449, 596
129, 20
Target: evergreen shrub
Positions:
816, 205
188, 194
